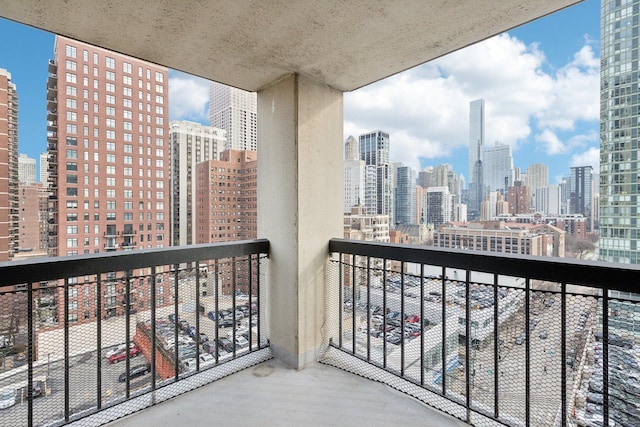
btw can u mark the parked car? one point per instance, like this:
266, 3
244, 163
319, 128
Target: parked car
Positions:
7, 397
212, 315
520, 338
36, 390
209, 347
183, 325
135, 372
412, 318
207, 359
225, 344
172, 318
119, 357
242, 342
203, 338
543, 334
186, 352
118, 349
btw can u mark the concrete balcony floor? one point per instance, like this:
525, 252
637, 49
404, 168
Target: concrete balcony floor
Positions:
271, 394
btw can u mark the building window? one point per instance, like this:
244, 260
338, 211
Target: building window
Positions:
70, 51
110, 62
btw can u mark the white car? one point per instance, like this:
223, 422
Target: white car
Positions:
207, 359
7, 397
242, 341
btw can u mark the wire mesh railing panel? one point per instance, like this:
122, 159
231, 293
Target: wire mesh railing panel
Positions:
514, 350
78, 345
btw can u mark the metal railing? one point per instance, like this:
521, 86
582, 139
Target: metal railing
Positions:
66, 324
489, 338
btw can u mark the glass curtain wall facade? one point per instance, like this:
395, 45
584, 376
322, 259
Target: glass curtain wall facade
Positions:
619, 178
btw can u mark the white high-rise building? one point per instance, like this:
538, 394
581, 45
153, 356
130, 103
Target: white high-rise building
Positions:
351, 151
498, 167
235, 111
537, 177
26, 169
191, 143
44, 169
548, 200
355, 173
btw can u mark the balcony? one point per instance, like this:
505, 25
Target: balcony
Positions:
300, 98
394, 314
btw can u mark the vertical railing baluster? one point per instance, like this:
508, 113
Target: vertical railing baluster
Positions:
98, 314
402, 326
154, 342
496, 348
217, 309
353, 305
127, 332
422, 325
67, 363
384, 313
563, 351
340, 291
443, 302
527, 354
176, 299
233, 304
368, 308
605, 357
467, 355
250, 304
30, 355
197, 334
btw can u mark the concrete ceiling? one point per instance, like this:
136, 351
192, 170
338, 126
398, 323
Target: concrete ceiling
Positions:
252, 43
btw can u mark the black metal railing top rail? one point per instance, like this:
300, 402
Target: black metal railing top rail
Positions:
597, 274
41, 269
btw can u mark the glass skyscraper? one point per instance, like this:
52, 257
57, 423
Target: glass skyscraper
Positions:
374, 150
619, 90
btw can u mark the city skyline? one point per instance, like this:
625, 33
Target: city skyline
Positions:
553, 62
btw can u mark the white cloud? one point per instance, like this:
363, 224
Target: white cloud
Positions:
591, 157
551, 143
426, 109
189, 98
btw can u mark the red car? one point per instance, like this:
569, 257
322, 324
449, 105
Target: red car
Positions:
122, 355
412, 318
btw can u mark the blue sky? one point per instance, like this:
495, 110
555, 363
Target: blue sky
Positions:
540, 83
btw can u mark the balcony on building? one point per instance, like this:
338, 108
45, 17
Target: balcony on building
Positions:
313, 355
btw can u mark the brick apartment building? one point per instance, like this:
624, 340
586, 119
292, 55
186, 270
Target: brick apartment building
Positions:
108, 151
226, 204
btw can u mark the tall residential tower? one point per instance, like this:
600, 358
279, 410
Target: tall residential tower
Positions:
235, 111
619, 163
374, 150
191, 143
9, 209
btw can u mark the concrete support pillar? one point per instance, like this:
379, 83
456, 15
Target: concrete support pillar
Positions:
300, 192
